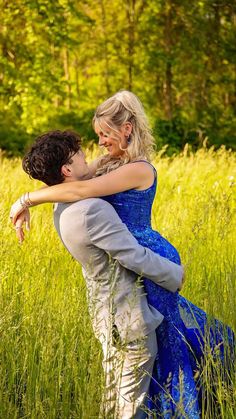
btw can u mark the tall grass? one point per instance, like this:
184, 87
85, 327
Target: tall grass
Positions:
50, 362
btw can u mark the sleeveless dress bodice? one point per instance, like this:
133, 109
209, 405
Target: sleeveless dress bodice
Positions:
134, 207
180, 336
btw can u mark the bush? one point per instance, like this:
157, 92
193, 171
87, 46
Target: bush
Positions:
176, 133
13, 138
71, 120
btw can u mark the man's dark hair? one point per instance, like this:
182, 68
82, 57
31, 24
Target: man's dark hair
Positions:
49, 153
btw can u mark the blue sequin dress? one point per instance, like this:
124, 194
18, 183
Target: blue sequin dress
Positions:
175, 389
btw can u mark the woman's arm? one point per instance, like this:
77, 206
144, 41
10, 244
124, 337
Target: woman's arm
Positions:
137, 175
130, 176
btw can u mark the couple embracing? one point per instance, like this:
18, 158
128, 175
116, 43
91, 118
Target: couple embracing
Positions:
153, 339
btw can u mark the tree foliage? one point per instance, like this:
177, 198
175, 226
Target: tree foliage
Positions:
61, 58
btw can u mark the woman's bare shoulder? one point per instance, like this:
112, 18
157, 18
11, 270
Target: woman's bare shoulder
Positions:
142, 171
143, 167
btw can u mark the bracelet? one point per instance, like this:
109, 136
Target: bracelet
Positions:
25, 201
28, 202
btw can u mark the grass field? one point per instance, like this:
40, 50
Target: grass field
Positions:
50, 362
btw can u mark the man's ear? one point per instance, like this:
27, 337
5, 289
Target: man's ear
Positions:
65, 170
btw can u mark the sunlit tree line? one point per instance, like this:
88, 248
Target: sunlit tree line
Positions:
61, 58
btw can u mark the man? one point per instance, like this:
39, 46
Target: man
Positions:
112, 260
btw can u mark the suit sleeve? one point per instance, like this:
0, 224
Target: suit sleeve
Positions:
107, 232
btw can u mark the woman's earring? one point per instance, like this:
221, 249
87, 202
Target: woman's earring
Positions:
129, 139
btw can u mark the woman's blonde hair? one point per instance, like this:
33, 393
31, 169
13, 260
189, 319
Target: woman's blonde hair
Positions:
120, 108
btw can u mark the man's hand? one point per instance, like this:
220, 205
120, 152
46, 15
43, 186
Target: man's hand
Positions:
183, 278
23, 218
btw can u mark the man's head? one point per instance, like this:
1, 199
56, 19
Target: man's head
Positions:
55, 157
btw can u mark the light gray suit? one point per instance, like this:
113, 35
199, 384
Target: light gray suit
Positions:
111, 259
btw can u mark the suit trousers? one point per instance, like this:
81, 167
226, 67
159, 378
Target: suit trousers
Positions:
128, 369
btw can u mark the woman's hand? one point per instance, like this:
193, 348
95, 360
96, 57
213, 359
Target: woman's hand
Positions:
23, 218
16, 209
19, 206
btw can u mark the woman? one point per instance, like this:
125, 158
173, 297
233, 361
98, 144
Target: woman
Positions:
126, 179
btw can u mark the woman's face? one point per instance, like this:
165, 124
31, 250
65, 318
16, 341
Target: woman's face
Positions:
113, 140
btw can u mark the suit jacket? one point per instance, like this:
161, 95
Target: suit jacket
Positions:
112, 260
